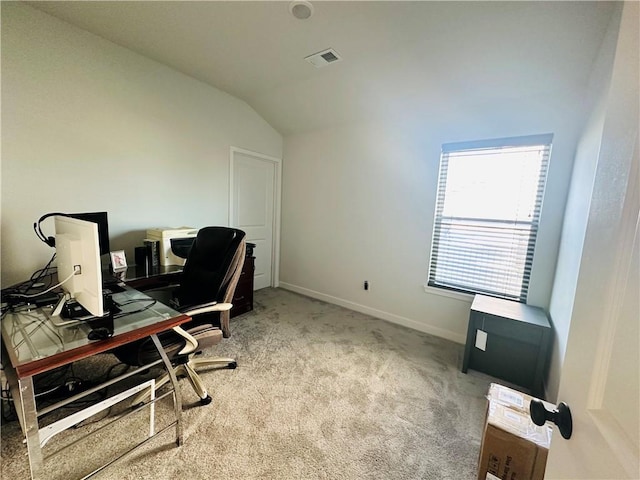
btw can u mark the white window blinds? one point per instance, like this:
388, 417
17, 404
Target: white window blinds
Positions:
487, 214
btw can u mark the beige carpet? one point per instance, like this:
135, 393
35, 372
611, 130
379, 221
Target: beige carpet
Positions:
320, 392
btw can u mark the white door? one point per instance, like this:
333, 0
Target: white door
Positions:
254, 208
600, 382
601, 370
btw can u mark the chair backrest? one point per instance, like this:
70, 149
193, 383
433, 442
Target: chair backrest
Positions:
213, 266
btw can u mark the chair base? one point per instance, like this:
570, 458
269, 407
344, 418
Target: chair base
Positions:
188, 370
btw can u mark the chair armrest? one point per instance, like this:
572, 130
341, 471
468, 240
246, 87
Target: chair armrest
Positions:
191, 342
193, 310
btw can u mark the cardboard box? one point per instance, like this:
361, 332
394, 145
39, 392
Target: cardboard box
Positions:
513, 447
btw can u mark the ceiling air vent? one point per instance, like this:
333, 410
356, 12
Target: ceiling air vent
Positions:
323, 58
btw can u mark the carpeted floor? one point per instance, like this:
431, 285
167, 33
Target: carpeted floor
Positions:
320, 392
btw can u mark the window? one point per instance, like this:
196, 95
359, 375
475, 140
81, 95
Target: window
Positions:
487, 213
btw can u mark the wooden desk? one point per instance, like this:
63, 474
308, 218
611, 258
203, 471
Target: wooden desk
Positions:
144, 278
32, 344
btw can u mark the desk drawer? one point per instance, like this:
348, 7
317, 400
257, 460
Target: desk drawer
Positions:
243, 296
240, 308
241, 304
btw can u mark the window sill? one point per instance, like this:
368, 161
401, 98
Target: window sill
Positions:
463, 297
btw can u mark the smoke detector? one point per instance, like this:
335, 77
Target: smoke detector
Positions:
301, 9
323, 58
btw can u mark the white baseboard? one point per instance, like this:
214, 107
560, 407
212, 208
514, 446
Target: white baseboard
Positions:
390, 317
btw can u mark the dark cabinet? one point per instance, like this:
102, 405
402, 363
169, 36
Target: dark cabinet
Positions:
514, 342
243, 296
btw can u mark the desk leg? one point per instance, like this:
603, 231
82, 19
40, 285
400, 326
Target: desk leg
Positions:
177, 399
30, 425
24, 399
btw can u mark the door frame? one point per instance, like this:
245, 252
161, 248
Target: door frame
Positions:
277, 195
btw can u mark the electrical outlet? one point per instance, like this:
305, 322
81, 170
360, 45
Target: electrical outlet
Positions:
366, 284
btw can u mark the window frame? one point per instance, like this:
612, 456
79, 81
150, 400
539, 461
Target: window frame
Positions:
439, 241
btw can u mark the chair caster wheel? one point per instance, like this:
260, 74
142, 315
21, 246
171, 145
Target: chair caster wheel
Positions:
232, 365
206, 400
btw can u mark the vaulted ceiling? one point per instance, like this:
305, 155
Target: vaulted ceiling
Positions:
397, 55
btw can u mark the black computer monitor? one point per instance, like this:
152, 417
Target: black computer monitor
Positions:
102, 220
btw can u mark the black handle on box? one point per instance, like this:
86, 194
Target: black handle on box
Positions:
560, 416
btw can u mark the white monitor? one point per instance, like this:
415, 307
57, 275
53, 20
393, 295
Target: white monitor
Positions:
78, 259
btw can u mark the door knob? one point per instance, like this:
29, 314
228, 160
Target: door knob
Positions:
560, 416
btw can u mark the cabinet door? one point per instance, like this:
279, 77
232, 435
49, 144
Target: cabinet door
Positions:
514, 351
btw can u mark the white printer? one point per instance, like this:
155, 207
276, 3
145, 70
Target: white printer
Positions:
175, 243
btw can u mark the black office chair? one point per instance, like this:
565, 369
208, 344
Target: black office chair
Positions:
207, 284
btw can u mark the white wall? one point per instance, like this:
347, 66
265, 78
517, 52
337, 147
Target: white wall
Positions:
90, 126
570, 254
358, 203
